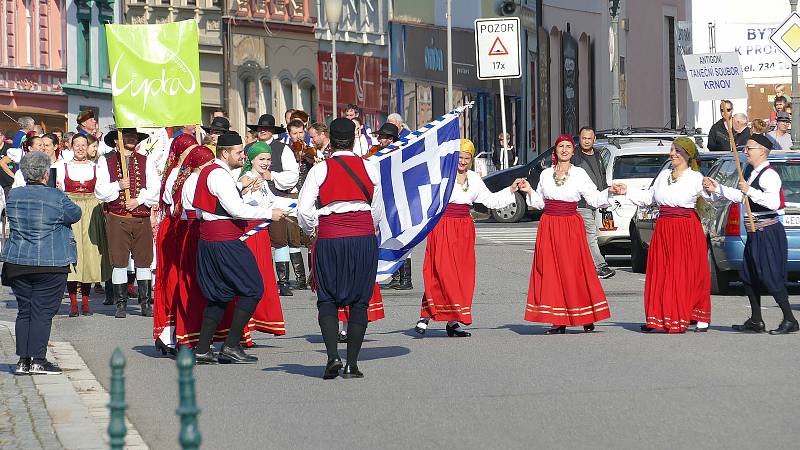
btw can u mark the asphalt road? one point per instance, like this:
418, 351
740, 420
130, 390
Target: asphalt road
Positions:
508, 386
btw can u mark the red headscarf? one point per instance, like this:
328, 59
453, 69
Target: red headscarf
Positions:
179, 145
560, 139
196, 158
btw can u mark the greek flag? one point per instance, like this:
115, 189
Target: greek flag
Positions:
417, 178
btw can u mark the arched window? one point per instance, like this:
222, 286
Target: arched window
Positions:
287, 94
249, 95
308, 98
266, 95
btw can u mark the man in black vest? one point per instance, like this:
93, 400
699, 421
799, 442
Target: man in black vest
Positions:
590, 161
282, 178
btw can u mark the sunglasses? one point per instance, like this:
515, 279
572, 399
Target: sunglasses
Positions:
726, 109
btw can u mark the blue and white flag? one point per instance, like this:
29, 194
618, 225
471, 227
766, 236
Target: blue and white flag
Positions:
417, 178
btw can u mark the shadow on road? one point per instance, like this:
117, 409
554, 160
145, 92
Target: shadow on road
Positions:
370, 353
522, 329
298, 369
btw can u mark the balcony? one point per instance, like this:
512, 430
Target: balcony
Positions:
289, 11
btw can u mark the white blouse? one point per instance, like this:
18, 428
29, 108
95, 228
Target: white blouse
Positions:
578, 185
171, 179
768, 196
682, 193
80, 172
187, 192
264, 197
477, 192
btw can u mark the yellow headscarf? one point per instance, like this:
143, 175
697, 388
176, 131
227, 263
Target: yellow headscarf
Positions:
690, 148
467, 147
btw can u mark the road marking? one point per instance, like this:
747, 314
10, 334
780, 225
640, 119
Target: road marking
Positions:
507, 235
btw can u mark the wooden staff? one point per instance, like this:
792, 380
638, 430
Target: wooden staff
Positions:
735, 152
197, 136
122, 162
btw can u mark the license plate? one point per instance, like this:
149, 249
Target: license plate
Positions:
791, 221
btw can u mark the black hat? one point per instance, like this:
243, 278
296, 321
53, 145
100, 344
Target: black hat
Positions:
388, 129
229, 139
342, 128
267, 121
783, 116
110, 138
762, 140
218, 124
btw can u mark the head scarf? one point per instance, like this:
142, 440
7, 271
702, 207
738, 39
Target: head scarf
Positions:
196, 158
179, 145
688, 150
560, 139
467, 146
253, 151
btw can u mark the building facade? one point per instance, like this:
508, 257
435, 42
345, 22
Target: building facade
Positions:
208, 15
362, 53
88, 83
33, 63
272, 59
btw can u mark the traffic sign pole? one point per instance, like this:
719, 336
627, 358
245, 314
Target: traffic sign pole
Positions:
504, 162
787, 38
795, 113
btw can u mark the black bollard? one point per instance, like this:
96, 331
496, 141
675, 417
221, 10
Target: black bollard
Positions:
117, 405
189, 436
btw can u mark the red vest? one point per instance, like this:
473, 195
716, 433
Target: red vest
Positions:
84, 187
214, 230
339, 186
137, 173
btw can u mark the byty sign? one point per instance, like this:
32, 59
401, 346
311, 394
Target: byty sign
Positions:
497, 48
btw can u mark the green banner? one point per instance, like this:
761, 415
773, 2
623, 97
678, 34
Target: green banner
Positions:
155, 74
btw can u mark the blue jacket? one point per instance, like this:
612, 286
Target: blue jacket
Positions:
39, 219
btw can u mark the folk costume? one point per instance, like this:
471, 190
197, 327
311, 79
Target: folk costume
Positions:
170, 234
677, 285
448, 271
78, 180
191, 302
226, 268
285, 173
345, 255
306, 157
564, 289
128, 231
766, 249
268, 316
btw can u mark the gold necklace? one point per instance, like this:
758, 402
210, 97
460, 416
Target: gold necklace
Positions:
465, 184
560, 180
672, 178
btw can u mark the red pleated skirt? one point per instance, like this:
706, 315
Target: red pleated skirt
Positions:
449, 270
189, 310
374, 310
170, 235
677, 286
564, 288
268, 316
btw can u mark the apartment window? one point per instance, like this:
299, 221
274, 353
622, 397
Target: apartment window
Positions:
102, 47
84, 47
191, 2
216, 3
308, 97
266, 95
673, 98
29, 33
288, 98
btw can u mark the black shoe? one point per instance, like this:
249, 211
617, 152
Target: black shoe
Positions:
164, 348
750, 326
557, 330
342, 337
282, 274
351, 371
405, 277
606, 272
395, 282
208, 357
120, 297
786, 327
456, 331
44, 367
419, 329
588, 328
299, 266
121, 313
332, 369
646, 329
73, 313
23, 366
235, 355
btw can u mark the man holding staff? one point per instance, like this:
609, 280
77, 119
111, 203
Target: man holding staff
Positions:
129, 187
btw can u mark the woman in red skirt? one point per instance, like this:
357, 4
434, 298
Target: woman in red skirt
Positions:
677, 288
189, 308
171, 230
268, 316
449, 268
564, 289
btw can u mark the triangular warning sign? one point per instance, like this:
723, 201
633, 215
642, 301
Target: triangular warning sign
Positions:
498, 49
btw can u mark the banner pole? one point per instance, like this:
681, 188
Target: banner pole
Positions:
197, 135
729, 121
123, 162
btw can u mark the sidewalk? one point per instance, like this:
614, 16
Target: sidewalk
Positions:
65, 411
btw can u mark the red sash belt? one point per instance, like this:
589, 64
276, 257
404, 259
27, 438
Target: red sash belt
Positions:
190, 214
356, 223
673, 211
221, 230
456, 210
560, 208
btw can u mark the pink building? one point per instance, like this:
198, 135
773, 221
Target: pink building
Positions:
33, 62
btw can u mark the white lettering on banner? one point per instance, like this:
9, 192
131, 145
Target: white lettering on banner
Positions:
164, 85
714, 76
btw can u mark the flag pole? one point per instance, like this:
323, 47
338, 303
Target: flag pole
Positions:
729, 121
123, 163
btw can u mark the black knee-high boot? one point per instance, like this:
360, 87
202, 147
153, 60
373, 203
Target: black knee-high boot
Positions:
782, 299
211, 318
329, 326
755, 302
355, 337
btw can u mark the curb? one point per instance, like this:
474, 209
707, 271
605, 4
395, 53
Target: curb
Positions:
77, 403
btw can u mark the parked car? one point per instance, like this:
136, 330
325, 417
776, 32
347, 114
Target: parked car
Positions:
643, 222
724, 222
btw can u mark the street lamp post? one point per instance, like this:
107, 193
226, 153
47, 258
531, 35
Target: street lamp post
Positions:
795, 97
333, 14
615, 96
